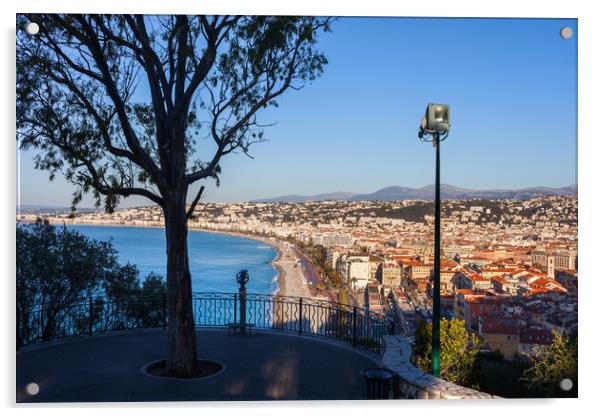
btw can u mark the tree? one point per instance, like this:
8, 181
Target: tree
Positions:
141, 304
151, 298
552, 364
79, 105
56, 269
459, 351
499, 376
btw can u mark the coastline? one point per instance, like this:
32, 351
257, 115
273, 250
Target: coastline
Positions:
291, 280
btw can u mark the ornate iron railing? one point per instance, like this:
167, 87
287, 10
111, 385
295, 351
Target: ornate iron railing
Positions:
303, 316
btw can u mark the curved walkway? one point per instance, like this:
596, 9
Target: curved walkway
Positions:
263, 366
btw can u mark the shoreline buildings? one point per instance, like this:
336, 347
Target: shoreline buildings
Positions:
509, 268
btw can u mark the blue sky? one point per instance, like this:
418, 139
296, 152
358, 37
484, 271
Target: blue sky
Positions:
511, 84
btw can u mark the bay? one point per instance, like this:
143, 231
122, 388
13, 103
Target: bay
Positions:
214, 258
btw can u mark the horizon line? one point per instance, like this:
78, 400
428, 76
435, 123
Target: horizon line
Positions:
259, 199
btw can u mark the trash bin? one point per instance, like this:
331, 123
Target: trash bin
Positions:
378, 382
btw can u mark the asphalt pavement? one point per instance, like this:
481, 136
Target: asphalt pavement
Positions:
263, 366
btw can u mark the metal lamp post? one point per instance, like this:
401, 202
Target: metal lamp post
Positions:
434, 128
242, 277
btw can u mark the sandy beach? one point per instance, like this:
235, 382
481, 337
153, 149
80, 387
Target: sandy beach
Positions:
291, 281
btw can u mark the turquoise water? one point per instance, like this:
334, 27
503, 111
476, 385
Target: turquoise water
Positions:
214, 258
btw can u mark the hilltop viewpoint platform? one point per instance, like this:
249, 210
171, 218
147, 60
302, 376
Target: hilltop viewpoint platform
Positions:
266, 365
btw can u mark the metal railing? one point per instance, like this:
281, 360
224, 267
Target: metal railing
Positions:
304, 316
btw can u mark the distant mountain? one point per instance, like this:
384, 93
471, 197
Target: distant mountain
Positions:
393, 193
333, 195
453, 192
337, 196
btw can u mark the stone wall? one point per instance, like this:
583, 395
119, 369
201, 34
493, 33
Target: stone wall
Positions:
415, 384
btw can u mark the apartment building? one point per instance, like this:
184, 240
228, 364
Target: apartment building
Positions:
563, 259
354, 268
512, 340
470, 307
333, 240
389, 274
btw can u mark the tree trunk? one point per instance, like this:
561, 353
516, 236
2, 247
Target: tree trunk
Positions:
181, 337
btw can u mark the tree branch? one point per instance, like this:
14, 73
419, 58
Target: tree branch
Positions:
195, 202
90, 39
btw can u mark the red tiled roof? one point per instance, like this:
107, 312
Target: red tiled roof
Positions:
500, 279
536, 336
477, 278
499, 326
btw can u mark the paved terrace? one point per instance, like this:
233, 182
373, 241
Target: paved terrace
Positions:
266, 365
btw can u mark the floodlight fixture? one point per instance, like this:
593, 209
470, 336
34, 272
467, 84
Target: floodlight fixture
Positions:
434, 128
437, 117
434, 125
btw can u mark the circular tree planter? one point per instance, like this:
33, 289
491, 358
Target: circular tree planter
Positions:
203, 369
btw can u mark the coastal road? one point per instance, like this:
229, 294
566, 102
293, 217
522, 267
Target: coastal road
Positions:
313, 277
309, 270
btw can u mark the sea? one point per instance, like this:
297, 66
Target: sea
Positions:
215, 259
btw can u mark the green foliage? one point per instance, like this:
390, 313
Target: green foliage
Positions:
59, 271
501, 377
459, 351
317, 254
122, 284
153, 286
550, 365
343, 297
462, 363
